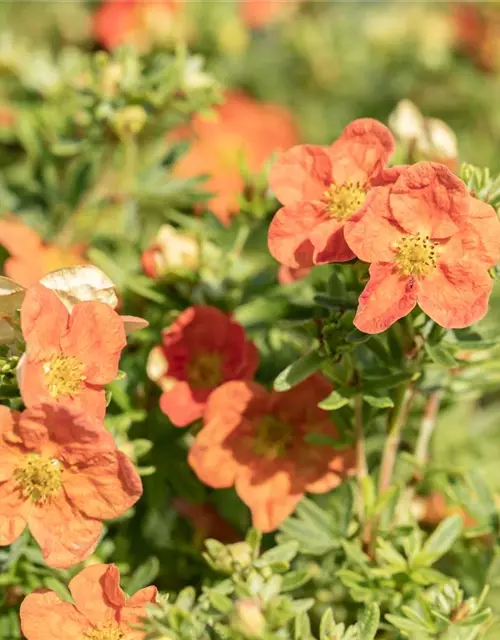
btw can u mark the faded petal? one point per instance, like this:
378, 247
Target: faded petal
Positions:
79, 284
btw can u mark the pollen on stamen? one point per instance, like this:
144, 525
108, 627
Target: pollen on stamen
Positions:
105, 632
416, 255
63, 376
39, 478
273, 438
343, 200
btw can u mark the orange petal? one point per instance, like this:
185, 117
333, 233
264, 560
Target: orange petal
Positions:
302, 173
18, 238
11, 528
97, 593
183, 405
9, 455
480, 234
372, 233
270, 502
289, 237
330, 244
135, 611
386, 298
105, 486
44, 615
44, 321
65, 536
96, 337
427, 198
456, 295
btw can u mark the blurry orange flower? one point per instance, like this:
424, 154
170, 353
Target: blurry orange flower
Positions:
244, 130
69, 356
256, 440
432, 509
202, 349
429, 242
30, 259
287, 275
321, 188
171, 251
61, 475
206, 522
139, 23
101, 610
477, 32
259, 13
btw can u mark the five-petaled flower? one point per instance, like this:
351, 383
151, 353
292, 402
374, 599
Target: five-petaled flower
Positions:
69, 356
429, 243
256, 440
61, 475
321, 188
101, 610
202, 349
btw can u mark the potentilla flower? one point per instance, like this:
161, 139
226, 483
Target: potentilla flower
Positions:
429, 243
256, 440
243, 131
259, 13
61, 475
69, 356
100, 609
321, 188
288, 275
201, 350
140, 23
171, 251
30, 258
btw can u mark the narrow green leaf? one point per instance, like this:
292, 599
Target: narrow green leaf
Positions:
294, 579
298, 371
333, 402
144, 575
442, 539
369, 621
327, 625
379, 402
440, 355
282, 553
302, 627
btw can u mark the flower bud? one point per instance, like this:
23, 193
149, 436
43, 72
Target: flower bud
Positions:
171, 251
406, 122
129, 121
248, 619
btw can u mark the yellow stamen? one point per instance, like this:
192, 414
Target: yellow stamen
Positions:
205, 370
64, 376
273, 438
416, 255
342, 200
40, 478
104, 632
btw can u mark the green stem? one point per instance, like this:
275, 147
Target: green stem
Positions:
361, 465
427, 427
397, 418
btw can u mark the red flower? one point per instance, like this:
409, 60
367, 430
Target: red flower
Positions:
61, 475
256, 441
259, 13
244, 130
429, 242
69, 356
321, 188
101, 611
202, 349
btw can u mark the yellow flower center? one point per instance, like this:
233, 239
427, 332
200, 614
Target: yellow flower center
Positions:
273, 438
64, 376
39, 478
205, 370
104, 632
416, 255
342, 200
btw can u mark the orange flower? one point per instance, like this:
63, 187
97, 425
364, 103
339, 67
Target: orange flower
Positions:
135, 22
321, 188
101, 610
429, 242
256, 441
30, 259
202, 349
259, 13
244, 130
69, 356
206, 522
61, 475
287, 275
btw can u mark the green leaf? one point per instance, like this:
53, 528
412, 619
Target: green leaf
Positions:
302, 627
368, 622
379, 402
298, 371
144, 575
327, 625
333, 402
282, 553
294, 579
440, 355
441, 540
404, 624
220, 602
